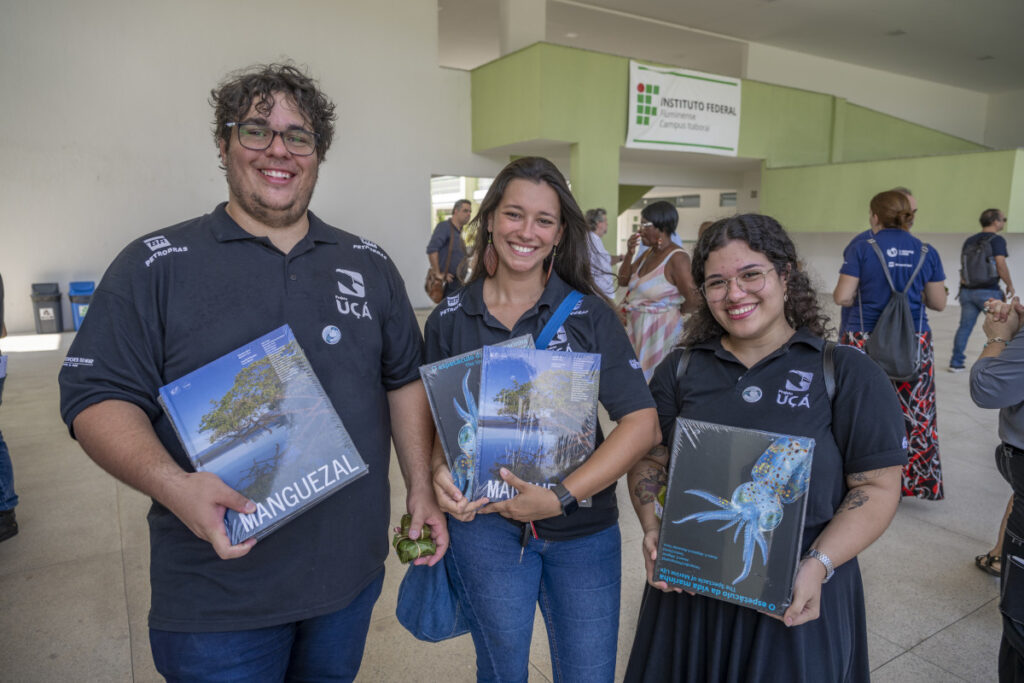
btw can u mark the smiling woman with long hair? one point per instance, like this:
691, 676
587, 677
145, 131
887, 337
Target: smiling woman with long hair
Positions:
757, 324
534, 249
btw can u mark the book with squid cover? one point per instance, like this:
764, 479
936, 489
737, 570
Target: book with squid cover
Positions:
537, 417
453, 389
733, 518
259, 419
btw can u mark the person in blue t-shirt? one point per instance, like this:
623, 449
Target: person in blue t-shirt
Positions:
864, 289
867, 234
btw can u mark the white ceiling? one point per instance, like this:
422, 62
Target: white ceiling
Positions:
973, 44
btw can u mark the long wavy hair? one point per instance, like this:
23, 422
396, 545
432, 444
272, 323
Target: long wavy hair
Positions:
764, 235
572, 256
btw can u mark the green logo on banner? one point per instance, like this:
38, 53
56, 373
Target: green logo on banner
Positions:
645, 109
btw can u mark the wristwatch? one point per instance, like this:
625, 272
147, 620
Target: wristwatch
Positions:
824, 559
566, 500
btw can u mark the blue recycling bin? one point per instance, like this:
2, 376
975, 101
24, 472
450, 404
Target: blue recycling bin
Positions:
80, 294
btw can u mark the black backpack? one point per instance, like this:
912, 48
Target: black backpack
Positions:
893, 343
977, 264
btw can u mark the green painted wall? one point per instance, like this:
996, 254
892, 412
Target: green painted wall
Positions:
549, 93
951, 191
630, 194
785, 126
870, 135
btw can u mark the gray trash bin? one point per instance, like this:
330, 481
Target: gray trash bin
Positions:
47, 305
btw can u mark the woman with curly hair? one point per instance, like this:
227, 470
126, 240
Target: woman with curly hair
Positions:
754, 358
864, 288
541, 548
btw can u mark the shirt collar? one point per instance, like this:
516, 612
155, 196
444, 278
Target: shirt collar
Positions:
801, 336
225, 229
554, 291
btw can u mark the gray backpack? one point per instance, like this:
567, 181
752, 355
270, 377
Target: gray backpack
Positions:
893, 343
977, 264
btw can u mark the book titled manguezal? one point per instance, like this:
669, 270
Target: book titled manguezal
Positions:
259, 418
538, 417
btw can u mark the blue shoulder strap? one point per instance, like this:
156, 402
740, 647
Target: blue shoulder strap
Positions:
561, 313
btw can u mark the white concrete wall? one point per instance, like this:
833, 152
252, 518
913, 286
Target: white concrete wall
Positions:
956, 111
106, 128
1004, 127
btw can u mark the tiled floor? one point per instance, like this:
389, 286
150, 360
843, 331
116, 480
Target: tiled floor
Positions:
74, 583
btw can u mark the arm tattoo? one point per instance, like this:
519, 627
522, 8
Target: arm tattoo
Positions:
854, 499
649, 483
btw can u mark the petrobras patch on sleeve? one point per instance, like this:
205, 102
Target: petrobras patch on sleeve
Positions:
160, 246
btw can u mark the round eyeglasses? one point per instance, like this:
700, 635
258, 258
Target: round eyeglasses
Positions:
749, 281
258, 137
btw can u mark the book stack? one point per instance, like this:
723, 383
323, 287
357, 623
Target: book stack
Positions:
531, 411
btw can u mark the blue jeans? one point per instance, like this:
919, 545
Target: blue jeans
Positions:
972, 301
575, 582
8, 498
324, 648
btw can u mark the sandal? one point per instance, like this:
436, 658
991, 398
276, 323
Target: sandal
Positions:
991, 564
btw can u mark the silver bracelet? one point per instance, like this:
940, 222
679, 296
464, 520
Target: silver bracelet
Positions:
824, 559
996, 340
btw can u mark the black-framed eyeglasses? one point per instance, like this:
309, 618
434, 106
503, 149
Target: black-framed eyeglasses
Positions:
258, 137
749, 281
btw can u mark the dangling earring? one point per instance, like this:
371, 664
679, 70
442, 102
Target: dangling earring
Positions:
490, 256
551, 265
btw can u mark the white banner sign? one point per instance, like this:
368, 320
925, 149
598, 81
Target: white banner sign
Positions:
686, 111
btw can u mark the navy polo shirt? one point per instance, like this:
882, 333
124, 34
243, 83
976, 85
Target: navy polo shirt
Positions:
998, 245
462, 323
902, 251
444, 233
862, 429
181, 297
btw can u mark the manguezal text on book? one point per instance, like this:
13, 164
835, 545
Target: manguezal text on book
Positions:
292, 495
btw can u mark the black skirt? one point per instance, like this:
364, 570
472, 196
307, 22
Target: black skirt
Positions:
693, 638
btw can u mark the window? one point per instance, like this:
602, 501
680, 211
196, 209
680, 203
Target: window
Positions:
727, 199
688, 201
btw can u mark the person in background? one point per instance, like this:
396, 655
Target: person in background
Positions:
8, 498
446, 249
297, 604
541, 547
757, 326
973, 296
601, 261
660, 286
997, 381
864, 289
844, 311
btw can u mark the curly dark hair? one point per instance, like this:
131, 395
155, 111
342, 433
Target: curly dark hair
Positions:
764, 235
572, 257
235, 95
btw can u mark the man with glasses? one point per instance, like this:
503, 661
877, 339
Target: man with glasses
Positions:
990, 247
297, 604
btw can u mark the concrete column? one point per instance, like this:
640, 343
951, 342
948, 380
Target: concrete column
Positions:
521, 23
594, 174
